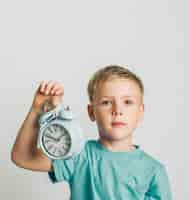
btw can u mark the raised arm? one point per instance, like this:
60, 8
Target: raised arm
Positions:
24, 152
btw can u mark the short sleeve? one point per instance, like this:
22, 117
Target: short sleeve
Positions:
159, 188
62, 170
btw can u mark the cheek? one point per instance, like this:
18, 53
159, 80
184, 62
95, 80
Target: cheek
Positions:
102, 117
132, 115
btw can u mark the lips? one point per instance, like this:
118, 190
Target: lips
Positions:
118, 124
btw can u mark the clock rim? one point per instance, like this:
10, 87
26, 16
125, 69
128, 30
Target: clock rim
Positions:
43, 146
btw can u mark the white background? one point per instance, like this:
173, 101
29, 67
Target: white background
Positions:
68, 41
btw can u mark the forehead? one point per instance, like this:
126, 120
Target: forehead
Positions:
118, 88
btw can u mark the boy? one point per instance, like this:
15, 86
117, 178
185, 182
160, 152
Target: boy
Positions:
112, 167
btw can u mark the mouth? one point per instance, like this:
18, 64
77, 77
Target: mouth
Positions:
118, 124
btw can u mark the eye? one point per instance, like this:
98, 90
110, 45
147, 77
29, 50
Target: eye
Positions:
106, 102
128, 102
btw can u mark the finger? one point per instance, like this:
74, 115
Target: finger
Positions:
43, 86
49, 87
55, 88
59, 92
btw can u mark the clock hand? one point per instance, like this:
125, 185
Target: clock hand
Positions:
59, 138
51, 137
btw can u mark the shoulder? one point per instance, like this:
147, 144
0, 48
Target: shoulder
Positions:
89, 147
152, 162
148, 166
151, 159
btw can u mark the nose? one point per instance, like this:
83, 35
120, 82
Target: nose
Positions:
117, 110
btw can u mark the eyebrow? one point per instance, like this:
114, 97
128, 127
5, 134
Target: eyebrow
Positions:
126, 96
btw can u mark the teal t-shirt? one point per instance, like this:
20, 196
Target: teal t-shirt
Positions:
100, 174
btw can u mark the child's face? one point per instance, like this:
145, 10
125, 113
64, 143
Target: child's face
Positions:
117, 100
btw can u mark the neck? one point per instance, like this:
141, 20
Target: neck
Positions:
117, 145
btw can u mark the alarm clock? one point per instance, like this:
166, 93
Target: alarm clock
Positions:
60, 136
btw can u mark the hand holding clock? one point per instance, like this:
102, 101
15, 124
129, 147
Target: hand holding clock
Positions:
48, 91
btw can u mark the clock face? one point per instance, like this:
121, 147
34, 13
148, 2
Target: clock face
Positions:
56, 140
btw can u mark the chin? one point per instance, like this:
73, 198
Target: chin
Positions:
114, 136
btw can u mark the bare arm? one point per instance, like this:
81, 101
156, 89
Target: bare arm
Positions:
24, 152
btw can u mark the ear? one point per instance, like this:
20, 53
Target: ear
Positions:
91, 112
142, 108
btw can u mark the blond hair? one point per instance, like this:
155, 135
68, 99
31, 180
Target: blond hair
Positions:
109, 72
